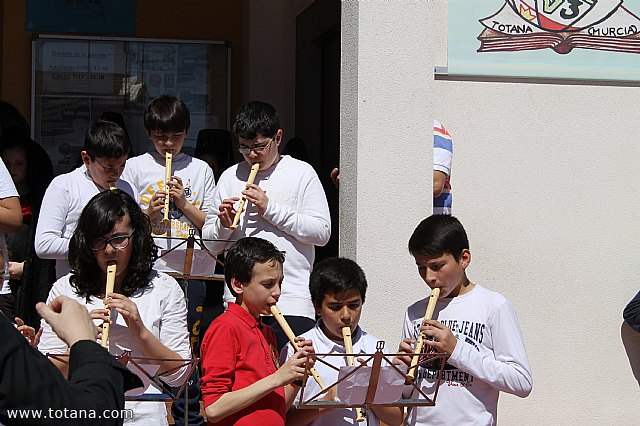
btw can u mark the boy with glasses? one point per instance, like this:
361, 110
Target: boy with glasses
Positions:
190, 189
285, 205
104, 155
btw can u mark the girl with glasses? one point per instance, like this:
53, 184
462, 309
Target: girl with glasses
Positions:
148, 311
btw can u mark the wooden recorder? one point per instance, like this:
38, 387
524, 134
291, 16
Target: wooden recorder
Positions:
348, 348
435, 293
111, 279
243, 200
167, 177
292, 338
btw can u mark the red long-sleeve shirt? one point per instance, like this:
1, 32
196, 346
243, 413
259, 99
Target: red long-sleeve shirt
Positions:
237, 351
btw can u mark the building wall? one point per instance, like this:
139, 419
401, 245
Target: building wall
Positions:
550, 203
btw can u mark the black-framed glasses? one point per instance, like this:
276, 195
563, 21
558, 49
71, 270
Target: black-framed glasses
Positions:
257, 149
119, 242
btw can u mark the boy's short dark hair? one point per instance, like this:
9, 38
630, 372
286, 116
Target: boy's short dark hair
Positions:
335, 275
244, 254
256, 118
105, 139
167, 114
439, 234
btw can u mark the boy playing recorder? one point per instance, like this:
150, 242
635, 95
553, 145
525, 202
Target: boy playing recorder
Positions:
477, 329
338, 288
167, 121
104, 154
241, 382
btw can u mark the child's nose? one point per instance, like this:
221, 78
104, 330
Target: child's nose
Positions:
276, 292
345, 314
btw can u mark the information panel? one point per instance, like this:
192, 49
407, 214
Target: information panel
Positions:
75, 80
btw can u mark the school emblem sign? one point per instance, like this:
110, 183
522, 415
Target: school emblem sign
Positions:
561, 25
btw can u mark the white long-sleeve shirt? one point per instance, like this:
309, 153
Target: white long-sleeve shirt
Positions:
63, 202
163, 310
489, 357
297, 219
146, 174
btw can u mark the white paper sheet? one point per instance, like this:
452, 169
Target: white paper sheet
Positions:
353, 390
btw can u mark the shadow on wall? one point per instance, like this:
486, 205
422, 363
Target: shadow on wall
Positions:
631, 342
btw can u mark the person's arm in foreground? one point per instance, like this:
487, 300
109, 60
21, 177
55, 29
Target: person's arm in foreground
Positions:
29, 381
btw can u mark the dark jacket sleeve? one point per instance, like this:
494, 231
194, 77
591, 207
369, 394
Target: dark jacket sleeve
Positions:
631, 313
30, 381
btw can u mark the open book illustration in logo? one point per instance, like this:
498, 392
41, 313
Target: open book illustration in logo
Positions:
561, 25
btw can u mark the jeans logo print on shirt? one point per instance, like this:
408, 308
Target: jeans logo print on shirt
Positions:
471, 333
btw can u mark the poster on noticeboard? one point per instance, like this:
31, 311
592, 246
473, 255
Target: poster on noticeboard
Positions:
76, 80
565, 39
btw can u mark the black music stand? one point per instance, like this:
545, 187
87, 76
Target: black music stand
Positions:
369, 400
136, 365
184, 273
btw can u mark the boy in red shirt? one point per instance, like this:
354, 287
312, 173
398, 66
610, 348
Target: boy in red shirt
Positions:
241, 382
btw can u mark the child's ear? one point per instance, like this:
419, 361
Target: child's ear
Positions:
317, 309
85, 158
237, 286
465, 258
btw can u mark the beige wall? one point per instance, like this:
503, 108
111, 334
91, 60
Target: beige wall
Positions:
550, 203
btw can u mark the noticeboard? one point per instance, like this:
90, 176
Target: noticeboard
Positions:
76, 79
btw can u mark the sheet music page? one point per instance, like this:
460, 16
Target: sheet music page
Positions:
353, 390
150, 370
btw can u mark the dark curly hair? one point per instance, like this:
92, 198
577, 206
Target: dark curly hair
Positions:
97, 219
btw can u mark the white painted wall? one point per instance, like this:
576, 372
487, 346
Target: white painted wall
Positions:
385, 169
545, 179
